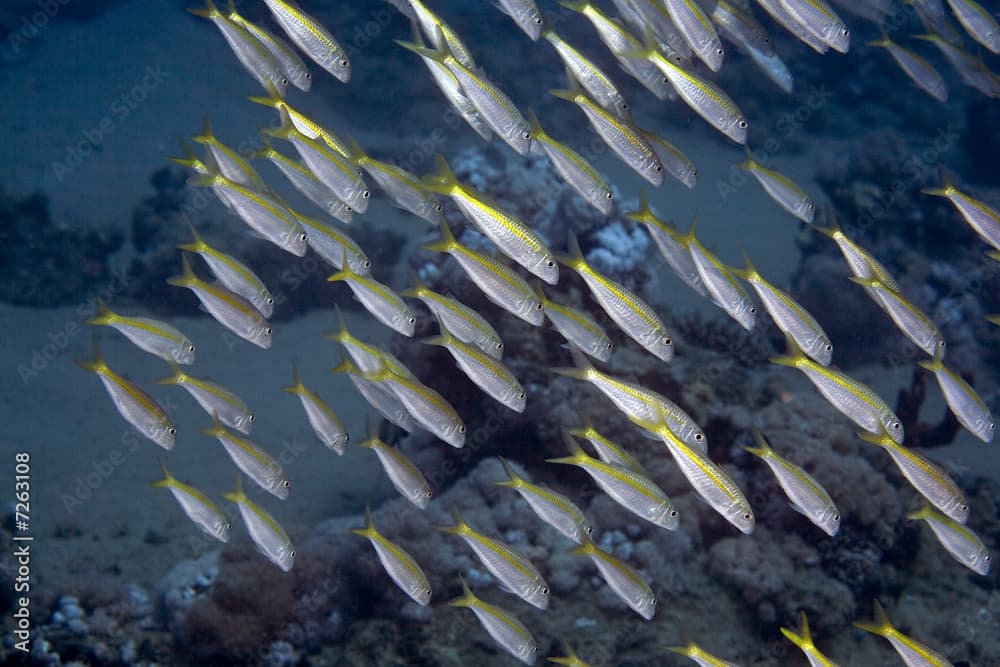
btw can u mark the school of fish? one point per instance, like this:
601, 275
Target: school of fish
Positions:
666, 46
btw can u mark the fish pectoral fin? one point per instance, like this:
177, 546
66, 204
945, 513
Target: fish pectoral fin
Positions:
799, 509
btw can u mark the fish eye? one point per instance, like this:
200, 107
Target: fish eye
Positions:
302, 237
610, 346
461, 429
349, 209
658, 168
667, 341
308, 75
251, 417
652, 601
545, 590
520, 394
753, 310
284, 81
267, 331
964, 508
412, 320
812, 207
427, 493
609, 196
366, 194
719, 52
828, 347
367, 264
439, 208
427, 591
895, 426
291, 554
270, 300
991, 426
172, 431
747, 516
698, 437
590, 529
742, 123
624, 105
499, 346
538, 306
344, 63
673, 512
228, 525
286, 483
526, 135
538, 20
845, 32
836, 517
941, 343
550, 263
190, 348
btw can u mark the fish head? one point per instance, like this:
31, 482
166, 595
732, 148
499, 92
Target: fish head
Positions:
518, 135
838, 36
652, 170
183, 353
294, 241
829, 521
220, 529
735, 127
491, 346
694, 438
601, 349
538, 595
645, 605
284, 557
601, 198
358, 197
893, 427
666, 516
660, 344
956, 508
527, 652
163, 434
420, 593
819, 349
984, 428
337, 64
359, 264
805, 210
454, 434
244, 422
432, 211
404, 322
745, 313
279, 486
532, 310
741, 516
261, 336
584, 529
547, 269
515, 398
980, 562
421, 496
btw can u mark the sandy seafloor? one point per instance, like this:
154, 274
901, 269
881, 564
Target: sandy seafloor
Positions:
93, 514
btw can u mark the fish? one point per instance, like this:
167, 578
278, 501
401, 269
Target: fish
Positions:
494, 105
804, 641
462, 321
334, 245
486, 372
303, 180
700, 655
590, 77
134, 405
978, 22
921, 72
703, 96
570, 659
425, 405
860, 262
925, 476
723, 288
401, 567
910, 320
670, 243
697, 30
913, 653
302, 123
324, 421
214, 398
504, 627
149, 335
774, 68
379, 397
234, 275
499, 283
709, 480
441, 34
636, 493
513, 570
819, 19
257, 464
291, 64
333, 169
621, 578
607, 451
226, 161
789, 315
577, 327
777, 11
983, 219
632, 315
406, 478
553, 508
270, 538
789, 195
260, 210
203, 512
368, 358
251, 53
958, 540
230, 310
737, 24
963, 401
971, 69
807, 495
378, 299
855, 400
621, 136
573, 168
509, 233
674, 160
312, 38
404, 188
526, 15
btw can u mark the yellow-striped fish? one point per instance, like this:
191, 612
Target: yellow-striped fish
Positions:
723, 288
302, 123
234, 275
789, 195
401, 567
970, 410
147, 334
914, 66
700, 655
377, 298
983, 219
465, 323
486, 372
909, 319
803, 639
429, 408
913, 653
203, 512
291, 64
303, 180
270, 538
621, 578
570, 659
590, 76
214, 398
553, 508
504, 627
404, 475
670, 243
860, 262
312, 38
578, 327
260, 466
959, 541
404, 188
324, 421
608, 451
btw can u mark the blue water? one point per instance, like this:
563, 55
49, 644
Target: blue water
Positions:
91, 208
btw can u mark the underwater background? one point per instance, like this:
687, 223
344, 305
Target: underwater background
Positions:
92, 209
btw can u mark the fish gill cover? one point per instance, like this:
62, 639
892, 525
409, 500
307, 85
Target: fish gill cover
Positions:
512, 232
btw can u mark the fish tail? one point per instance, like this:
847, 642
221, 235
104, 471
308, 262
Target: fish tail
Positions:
209, 11
571, 91
540, 291
189, 159
947, 187
296, 387
441, 340
834, 227
575, 5
416, 288
882, 625
574, 258
582, 368
342, 334
686, 650
763, 449
95, 365
196, 245
536, 130
924, 512
933, 365
803, 639
793, 357
577, 455
748, 271
459, 527
345, 272
216, 429
357, 153
168, 479
369, 530
104, 315
272, 99
468, 598
645, 212
883, 39
267, 151
570, 658
285, 130
236, 496
176, 378
514, 480
585, 549
186, 276
866, 282
447, 241
206, 136
442, 180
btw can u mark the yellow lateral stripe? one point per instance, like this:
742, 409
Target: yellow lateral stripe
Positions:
502, 550
145, 326
134, 392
